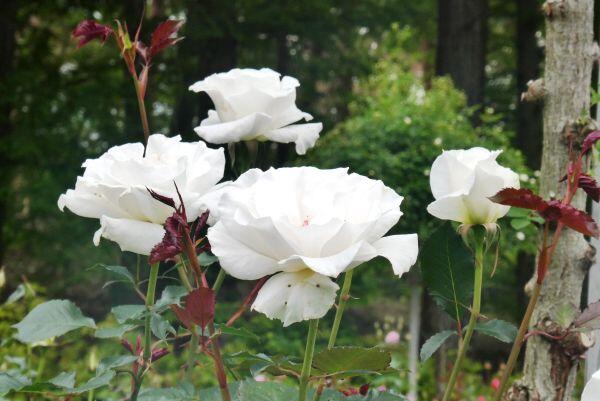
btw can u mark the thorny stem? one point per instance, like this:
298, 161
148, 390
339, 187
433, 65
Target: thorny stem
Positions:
247, 301
308, 358
344, 296
150, 293
475, 309
544, 261
142, 107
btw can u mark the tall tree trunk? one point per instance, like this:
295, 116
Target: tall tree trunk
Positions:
529, 58
8, 11
462, 37
549, 373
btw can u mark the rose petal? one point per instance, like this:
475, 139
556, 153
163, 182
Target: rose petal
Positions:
294, 297
400, 250
131, 235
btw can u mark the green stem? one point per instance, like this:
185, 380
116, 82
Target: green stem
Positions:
516, 348
219, 281
149, 304
340, 309
191, 360
91, 395
308, 358
475, 309
184, 277
142, 107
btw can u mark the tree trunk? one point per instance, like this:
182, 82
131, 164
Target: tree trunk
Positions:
8, 11
549, 373
529, 58
462, 36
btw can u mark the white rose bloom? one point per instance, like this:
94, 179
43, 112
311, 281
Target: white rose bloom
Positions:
461, 182
113, 188
255, 104
304, 225
591, 391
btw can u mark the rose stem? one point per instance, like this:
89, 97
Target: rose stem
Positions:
142, 107
340, 309
151, 290
219, 281
544, 263
308, 358
475, 309
344, 296
190, 250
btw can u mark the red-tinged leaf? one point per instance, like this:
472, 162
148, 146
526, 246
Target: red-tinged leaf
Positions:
143, 80
164, 36
172, 242
89, 30
162, 198
200, 224
578, 221
590, 141
590, 186
200, 304
523, 198
142, 50
183, 315
158, 353
552, 210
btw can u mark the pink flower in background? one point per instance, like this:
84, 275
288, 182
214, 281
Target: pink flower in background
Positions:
393, 337
481, 398
382, 389
495, 384
260, 378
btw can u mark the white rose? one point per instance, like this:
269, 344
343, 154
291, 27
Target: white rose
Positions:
255, 104
461, 182
591, 391
304, 225
113, 188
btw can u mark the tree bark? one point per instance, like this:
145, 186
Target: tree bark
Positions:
549, 372
529, 58
8, 11
462, 37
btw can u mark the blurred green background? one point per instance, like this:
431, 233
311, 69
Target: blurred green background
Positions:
394, 82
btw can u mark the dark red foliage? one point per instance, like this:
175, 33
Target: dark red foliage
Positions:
158, 353
590, 186
199, 308
590, 141
552, 210
172, 242
162, 198
523, 198
362, 390
89, 30
164, 36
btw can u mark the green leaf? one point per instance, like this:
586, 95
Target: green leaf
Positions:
233, 331
206, 260
519, 224
447, 270
433, 343
120, 271
351, 359
124, 313
114, 332
498, 329
50, 319
17, 294
160, 327
113, 362
10, 383
172, 294
251, 390
98, 381
185, 392
64, 379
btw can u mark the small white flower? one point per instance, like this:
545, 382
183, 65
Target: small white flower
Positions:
524, 177
113, 188
463, 180
520, 236
305, 226
255, 104
437, 141
407, 120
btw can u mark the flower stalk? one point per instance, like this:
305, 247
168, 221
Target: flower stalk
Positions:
344, 296
308, 358
475, 311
